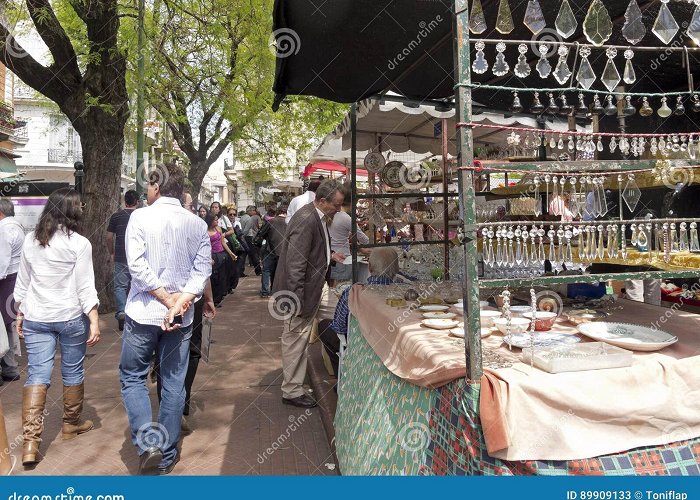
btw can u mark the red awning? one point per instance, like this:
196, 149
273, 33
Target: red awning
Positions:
331, 166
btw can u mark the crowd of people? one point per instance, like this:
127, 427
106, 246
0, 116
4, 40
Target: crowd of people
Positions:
173, 265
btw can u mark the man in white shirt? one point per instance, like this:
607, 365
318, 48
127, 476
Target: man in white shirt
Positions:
340, 231
11, 241
169, 256
301, 200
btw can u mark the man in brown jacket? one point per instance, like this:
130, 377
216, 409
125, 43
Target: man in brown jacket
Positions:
303, 264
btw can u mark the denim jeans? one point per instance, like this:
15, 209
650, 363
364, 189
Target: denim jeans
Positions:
268, 274
172, 349
122, 281
40, 341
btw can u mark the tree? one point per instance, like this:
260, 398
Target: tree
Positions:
211, 80
89, 87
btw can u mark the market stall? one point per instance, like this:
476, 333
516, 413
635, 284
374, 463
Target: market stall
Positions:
545, 379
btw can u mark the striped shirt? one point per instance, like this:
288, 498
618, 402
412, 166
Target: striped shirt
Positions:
342, 310
166, 246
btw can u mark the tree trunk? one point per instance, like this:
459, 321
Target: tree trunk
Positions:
196, 176
102, 144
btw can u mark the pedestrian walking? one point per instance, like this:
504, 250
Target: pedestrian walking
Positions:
57, 302
250, 229
11, 242
220, 255
272, 233
301, 274
169, 257
116, 230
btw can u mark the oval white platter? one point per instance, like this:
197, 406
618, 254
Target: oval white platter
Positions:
459, 332
628, 336
439, 315
434, 308
440, 324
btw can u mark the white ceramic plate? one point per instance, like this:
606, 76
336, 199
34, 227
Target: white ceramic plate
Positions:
434, 308
542, 339
440, 324
459, 332
627, 336
374, 162
439, 315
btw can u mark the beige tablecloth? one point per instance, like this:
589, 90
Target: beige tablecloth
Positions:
529, 414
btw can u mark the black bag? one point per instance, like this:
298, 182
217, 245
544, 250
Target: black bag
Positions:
261, 235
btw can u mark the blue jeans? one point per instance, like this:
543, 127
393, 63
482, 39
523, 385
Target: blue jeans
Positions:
40, 341
268, 273
122, 281
172, 349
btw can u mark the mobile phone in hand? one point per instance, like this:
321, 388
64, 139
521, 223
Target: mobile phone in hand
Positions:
177, 320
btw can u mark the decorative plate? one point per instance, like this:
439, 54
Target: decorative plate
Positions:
431, 308
459, 332
547, 339
627, 336
439, 315
440, 324
390, 174
374, 162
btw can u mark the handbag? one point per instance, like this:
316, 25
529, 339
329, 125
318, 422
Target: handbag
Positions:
4, 341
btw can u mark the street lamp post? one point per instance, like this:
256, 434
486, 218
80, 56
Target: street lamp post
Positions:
79, 174
140, 106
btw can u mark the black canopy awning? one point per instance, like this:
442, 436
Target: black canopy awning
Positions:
347, 50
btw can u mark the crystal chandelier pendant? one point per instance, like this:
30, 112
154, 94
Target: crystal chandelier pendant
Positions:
562, 71
537, 106
610, 108
629, 75
610, 77
522, 69
631, 194
504, 20
693, 30
517, 107
628, 109
534, 18
585, 75
679, 109
500, 66
566, 23
664, 111
581, 109
694, 244
552, 109
477, 21
645, 110
597, 26
480, 64
633, 30
683, 245
565, 108
543, 67
596, 107
696, 102
665, 26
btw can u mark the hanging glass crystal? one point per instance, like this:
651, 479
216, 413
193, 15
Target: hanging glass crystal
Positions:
664, 111
693, 30
562, 71
534, 18
633, 30
500, 66
543, 66
537, 106
683, 244
585, 75
679, 109
477, 21
522, 69
629, 75
504, 20
694, 244
628, 109
566, 23
645, 110
610, 108
517, 107
631, 194
610, 77
665, 26
597, 26
480, 64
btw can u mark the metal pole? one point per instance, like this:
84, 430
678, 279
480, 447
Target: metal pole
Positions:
445, 201
79, 174
465, 157
353, 190
140, 105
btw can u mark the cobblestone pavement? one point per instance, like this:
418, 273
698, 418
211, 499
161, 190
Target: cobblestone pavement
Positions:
240, 425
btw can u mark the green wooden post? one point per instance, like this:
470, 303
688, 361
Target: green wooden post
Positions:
465, 157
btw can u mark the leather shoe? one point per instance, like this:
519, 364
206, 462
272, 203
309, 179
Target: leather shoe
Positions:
8, 378
304, 401
169, 468
149, 462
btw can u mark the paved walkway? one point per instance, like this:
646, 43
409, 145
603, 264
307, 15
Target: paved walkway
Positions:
238, 409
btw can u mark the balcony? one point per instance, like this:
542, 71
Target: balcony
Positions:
64, 156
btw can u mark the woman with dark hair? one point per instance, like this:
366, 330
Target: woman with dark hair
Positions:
202, 211
220, 253
57, 300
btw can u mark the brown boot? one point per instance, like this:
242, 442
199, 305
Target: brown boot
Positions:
33, 401
72, 408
